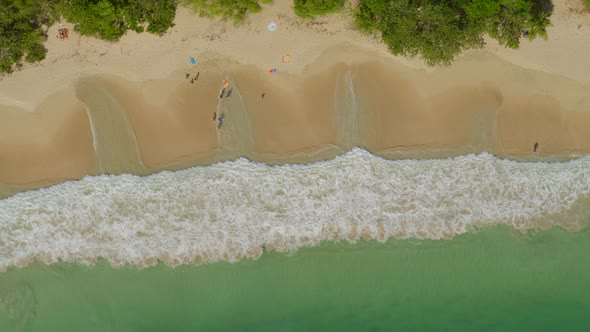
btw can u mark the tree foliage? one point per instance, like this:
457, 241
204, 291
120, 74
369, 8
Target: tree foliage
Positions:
313, 8
21, 31
439, 30
110, 19
435, 30
23, 23
235, 10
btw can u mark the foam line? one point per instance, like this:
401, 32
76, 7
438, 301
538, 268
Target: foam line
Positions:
232, 210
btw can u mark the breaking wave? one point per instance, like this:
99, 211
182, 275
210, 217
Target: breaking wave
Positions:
234, 209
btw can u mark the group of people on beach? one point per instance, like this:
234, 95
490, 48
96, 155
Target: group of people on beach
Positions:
63, 33
219, 117
196, 78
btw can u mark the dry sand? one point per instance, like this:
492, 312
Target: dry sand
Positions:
96, 107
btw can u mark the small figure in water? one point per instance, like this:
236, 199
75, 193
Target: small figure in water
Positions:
187, 75
222, 92
219, 122
262, 96
535, 147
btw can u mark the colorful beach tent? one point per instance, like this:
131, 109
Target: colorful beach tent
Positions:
286, 58
193, 61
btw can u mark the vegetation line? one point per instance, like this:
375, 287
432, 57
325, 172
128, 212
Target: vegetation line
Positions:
435, 30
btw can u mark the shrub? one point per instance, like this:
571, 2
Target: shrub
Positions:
313, 8
235, 10
21, 31
110, 19
438, 31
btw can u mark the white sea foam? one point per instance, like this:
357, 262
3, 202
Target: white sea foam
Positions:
231, 210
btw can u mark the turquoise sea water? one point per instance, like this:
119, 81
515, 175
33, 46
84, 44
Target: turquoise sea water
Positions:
490, 280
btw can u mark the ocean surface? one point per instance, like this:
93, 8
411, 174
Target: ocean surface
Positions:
357, 243
489, 280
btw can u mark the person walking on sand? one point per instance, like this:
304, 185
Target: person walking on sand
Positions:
187, 75
535, 147
262, 96
197, 77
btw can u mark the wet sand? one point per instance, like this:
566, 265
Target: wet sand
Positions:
107, 124
171, 118
296, 114
50, 145
95, 107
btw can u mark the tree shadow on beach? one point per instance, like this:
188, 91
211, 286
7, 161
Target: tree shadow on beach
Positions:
542, 6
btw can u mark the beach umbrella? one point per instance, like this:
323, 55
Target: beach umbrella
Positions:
272, 26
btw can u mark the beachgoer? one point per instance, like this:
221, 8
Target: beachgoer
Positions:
222, 92
187, 75
214, 117
219, 122
535, 147
197, 77
192, 81
262, 96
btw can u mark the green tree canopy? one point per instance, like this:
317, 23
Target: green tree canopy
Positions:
439, 30
110, 19
435, 32
312, 8
22, 23
235, 10
21, 31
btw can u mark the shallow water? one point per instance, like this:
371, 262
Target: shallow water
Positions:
491, 280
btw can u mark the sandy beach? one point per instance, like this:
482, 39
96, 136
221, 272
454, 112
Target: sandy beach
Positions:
93, 107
